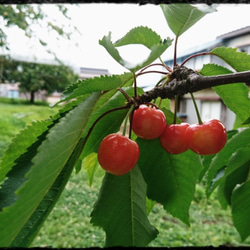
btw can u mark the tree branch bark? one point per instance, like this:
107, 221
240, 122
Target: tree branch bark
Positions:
186, 80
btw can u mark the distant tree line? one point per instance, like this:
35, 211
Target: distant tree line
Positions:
34, 77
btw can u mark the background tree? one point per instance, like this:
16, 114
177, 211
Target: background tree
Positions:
26, 17
36, 76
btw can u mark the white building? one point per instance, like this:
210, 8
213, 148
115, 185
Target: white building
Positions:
209, 103
92, 72
10, 90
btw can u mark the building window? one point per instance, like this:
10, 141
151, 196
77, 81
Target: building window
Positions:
245, 48
183, 106
13, 94
210, 110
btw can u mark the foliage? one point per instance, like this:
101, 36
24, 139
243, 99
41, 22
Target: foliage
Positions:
210, 225
40, 169
139, 35
24, 16
37, 76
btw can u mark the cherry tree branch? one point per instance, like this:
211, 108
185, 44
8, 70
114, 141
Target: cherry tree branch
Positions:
184, 80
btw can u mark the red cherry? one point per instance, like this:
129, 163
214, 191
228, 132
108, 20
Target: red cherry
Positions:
207, 138
174, 139
148, 123
117, 154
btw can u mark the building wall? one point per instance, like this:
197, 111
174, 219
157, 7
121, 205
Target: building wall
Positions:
10, 90
238, 42
208, 109
209, 103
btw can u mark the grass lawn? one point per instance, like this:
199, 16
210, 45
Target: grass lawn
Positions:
68, 225
16, 116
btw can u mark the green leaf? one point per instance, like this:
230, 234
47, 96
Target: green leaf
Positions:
90, 163
33, 225
121, 210
69, 89
240, 61
235, 173
163, 103
16, 176
149, 205
52, 156
170, 116
170, 179
206, 161
221, 195
139, 35
43, 43
238, 158
27, 141
240, 103
247, 121
240, 209
221, 160
109, 46
19, 145
236, 177
90, 85
180, 17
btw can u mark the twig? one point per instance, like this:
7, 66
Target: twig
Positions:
185, 81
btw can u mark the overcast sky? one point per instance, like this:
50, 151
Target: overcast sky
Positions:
96, 20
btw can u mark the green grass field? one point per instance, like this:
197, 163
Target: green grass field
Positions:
68, 225
15, 116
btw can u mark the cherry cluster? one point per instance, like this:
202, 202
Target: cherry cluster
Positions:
118, 154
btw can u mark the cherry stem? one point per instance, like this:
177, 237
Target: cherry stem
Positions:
99, 118
166, 66
157, 64
130, 125
151, 65
152, 104
124, 94
167, 80
135, 86
152, 71
196, 109
175, 50
126, 121
193, 56
161, 80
